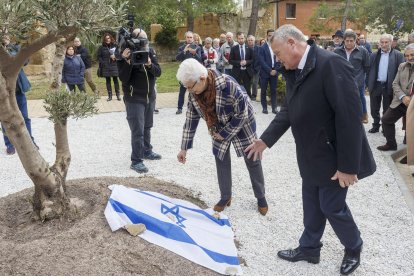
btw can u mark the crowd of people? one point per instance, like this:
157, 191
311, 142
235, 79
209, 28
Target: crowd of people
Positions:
324, 106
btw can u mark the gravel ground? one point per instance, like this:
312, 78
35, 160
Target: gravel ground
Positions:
100, 146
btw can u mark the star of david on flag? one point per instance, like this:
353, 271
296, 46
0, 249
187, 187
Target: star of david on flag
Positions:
176, 225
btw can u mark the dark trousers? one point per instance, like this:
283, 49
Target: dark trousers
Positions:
72, 87
22, 104
363, 100
181, 97
379, 94
255, 82
264, 82
321, 203
391, 116
140, 119
108, 84
243, 79
224, 176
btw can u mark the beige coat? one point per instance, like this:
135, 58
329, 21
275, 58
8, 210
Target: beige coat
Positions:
402, 84
410, 131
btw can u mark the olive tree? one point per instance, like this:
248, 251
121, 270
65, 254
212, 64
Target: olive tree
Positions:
62, 19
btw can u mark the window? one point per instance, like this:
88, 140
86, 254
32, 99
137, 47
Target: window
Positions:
290, 10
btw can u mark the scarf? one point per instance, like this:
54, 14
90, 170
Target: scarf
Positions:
207, 101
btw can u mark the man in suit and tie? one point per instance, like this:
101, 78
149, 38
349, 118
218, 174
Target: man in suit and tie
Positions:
323, 110
241, 57
383, 68
268, 74
403, 90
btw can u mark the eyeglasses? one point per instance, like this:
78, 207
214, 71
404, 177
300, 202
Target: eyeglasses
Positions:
190, 89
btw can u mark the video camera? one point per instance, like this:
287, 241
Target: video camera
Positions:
137, 45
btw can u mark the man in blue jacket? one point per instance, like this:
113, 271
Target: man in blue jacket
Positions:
268, 73
189, 50
22, 86
323, 110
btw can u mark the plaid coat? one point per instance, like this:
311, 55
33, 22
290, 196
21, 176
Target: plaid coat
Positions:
235, 118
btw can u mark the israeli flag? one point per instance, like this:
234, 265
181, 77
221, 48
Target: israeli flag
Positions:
176, 225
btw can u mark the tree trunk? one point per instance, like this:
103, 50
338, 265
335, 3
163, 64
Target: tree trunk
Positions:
345, 17
57, 64
190, 22
254, 16
49, 200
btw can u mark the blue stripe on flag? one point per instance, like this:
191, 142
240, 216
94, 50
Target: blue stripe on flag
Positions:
168, 230
221, 222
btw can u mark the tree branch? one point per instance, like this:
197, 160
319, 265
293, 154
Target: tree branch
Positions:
13, 65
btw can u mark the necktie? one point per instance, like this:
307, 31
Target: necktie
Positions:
242, 53
274, 61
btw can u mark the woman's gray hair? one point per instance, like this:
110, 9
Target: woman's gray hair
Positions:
387, 36
208, 40
190, 70
286, 31
409, 46
216, 40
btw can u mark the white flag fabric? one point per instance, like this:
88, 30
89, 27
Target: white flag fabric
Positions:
176, 225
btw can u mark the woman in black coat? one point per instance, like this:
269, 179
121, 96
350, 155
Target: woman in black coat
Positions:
107, 64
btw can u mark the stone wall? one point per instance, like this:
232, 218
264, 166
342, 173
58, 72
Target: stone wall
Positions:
40, 63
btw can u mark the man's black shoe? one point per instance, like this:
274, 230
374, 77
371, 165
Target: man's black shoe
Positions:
179, 111
152, 155
265, 111
294, 255
374, 130
403, 160
274, 111
350, 262
387, 147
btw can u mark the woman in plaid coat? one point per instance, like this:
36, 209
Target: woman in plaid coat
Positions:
225, 106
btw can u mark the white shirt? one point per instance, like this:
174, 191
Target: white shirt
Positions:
244, 50
271, 54
302, 62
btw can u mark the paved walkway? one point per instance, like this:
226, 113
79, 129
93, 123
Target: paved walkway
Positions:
169, 100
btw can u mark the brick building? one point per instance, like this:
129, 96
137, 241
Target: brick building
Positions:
296, 12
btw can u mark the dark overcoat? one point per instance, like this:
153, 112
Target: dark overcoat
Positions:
323, 109
108, 66
395, 59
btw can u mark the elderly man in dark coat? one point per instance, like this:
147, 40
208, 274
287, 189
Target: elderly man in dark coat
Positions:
226, 108
323, 110
383, 68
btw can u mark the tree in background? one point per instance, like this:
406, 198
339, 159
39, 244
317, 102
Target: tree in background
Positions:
366, 14
185, 11
62, 19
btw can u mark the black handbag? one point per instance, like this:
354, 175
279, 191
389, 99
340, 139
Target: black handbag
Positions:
99, 72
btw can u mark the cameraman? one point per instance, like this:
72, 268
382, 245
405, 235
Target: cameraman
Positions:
138, 83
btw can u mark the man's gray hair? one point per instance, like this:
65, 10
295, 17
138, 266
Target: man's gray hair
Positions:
188, 32
190, 70
140, 33
216, 40
229, 33
351, 34
409, 46
411, 36
251, 36
286, 31
387, 36
208, 40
